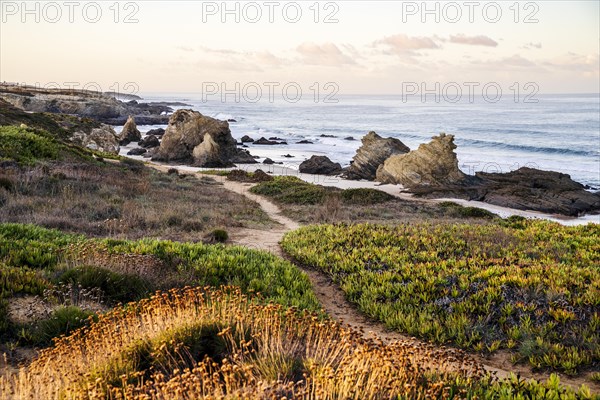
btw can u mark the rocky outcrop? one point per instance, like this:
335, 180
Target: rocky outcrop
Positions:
373, 152
84, 103
247, 139
432, 164
320, 165
199, 140
524, 189
103, 139
130, 132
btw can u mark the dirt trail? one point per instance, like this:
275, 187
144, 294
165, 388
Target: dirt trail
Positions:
334, 302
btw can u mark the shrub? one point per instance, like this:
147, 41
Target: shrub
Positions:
291, 190
25, 146
365, 196
62, 321
217, 236
116, 287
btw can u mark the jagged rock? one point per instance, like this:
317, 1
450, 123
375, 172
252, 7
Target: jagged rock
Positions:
130, 132
288, 156
432, 164
320, 165
138, 151
305, 142
156, 132
268, 161
149, 142
102, 139
197, 139
247, 139
371, 155
327, 136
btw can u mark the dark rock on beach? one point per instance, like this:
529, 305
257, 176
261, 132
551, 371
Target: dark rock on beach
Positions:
156, 132
268, 161
149, 142
136, 152
320, 165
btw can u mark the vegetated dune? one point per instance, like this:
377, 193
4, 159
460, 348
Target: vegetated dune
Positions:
209, 343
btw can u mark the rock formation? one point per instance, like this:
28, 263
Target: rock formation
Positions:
373, 152
130, 132
432, 164
199, 140
84, 103
103, 138
320, 165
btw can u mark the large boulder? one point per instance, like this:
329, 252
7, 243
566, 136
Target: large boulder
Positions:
199, 140
373, 152
320, 165
432, 164
130, 132
102, 138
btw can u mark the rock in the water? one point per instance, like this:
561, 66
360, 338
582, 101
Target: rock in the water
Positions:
327, 136
305, 142
149, 142
156, 132
432, 164
130, 132
247, 139
349, 138
264, 141
320, 165
102, 139
136, 152
194, 138
371, 155
288, 156
268, 161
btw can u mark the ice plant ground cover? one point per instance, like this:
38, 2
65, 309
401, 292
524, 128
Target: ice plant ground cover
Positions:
528, 286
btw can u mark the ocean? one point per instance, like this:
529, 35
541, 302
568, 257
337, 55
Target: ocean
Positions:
558, 133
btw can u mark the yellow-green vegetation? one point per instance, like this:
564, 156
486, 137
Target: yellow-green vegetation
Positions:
532, 287
221, 344
39, 261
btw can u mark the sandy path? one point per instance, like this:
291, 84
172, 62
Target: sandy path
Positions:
334, 302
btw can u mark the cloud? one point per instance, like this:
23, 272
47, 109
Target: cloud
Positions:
480, 40
185, 48
403, 44
327, 54
532, 45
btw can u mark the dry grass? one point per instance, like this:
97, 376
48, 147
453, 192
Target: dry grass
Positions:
207, 343
125, 200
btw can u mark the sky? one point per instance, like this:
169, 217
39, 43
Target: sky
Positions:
350, 47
